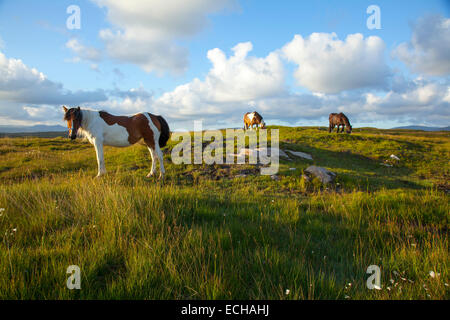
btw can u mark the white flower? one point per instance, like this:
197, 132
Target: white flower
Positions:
14, 230
2, 209
287, 291
434, 275
376, 287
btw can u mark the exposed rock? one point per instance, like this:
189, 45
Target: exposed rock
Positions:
300, 154
324, 175
264, 151
275, 177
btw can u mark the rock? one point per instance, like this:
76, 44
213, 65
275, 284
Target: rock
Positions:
305, 177
300, 154
240, 176
324, 175
265, 151
269, 151
386, 164
292, 169
275, 177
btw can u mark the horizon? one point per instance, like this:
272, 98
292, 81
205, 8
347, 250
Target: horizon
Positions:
215, 60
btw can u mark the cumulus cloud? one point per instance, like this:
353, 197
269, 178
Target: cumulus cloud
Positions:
329, 65
129, 101
422, 102
20, 83
231, 84
428, 51
145, 32
83, 52
23, 90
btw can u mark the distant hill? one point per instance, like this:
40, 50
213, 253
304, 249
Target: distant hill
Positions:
424, 128
29, 129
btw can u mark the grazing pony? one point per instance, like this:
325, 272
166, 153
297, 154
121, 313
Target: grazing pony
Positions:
339, 119
252, 118
102, 128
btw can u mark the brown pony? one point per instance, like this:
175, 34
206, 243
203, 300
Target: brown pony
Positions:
339, 119
253, 118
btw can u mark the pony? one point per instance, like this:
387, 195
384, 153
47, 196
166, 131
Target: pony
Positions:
253, 118
101, 128
339, 119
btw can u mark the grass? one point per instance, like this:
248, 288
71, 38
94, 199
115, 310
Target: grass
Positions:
206, 234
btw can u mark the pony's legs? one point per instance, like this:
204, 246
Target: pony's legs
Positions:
330, 128
152, 154
159, 153
100, 158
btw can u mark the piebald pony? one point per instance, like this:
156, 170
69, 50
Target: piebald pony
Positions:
102, 128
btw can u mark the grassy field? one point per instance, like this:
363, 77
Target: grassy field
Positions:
207, 234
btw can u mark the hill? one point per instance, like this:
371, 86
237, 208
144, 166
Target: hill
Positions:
224, 231
423, 128
28, 129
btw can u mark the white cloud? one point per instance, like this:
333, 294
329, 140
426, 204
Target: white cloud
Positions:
145, 32
231, 84
428, 51
329, 65
27, 94
20, 83
83, 52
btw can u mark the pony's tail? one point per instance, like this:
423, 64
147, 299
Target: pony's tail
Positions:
165, 132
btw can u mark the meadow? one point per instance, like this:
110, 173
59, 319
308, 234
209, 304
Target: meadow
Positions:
225, 231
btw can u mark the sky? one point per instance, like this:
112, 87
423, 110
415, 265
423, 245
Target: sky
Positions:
213, 60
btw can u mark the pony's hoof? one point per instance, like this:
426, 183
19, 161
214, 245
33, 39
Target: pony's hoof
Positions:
150, 175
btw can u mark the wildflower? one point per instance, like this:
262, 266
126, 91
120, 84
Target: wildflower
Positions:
434, 275
287, 291
14, 230
2, 209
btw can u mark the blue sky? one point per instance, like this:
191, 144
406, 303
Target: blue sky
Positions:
151, 62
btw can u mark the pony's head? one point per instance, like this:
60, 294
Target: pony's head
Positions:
73, 116
348, 129
263, 124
